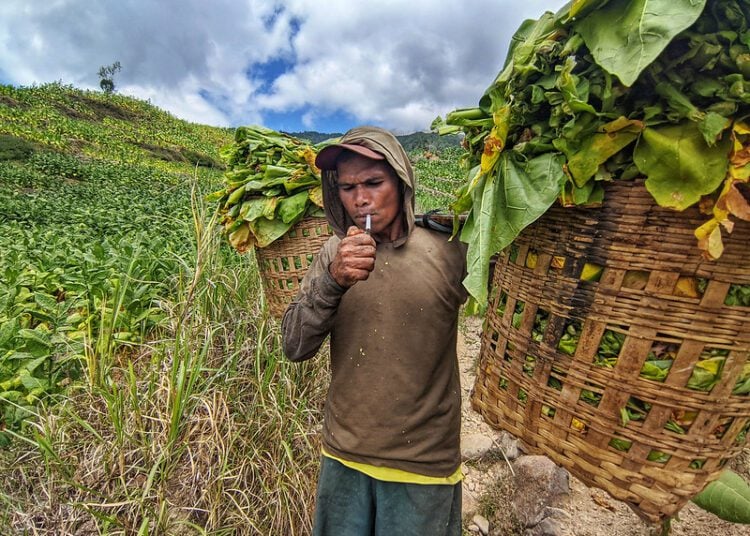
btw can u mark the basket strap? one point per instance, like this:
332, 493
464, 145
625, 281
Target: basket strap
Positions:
424, 220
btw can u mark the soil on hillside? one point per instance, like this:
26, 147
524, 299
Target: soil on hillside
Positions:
592, 512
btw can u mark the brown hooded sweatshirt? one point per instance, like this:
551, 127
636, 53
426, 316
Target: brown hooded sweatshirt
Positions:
394, 399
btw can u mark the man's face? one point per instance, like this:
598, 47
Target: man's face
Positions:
369, 186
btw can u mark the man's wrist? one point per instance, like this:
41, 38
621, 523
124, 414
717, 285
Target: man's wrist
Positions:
333, 281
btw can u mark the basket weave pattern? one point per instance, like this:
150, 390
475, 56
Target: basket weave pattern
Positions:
570, 403
284, 262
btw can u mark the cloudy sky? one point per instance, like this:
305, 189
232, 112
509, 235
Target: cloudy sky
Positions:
324, 65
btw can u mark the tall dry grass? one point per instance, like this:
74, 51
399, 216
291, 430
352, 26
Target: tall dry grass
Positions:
206, 429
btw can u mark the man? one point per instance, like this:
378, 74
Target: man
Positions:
389, 299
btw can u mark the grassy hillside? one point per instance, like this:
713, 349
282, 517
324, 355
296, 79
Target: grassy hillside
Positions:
142, 384
111, 127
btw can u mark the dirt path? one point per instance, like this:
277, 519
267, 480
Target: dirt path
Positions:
592, 512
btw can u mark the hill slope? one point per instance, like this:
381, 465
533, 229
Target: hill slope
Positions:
110, 127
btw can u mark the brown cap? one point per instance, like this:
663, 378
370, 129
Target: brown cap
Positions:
326, 159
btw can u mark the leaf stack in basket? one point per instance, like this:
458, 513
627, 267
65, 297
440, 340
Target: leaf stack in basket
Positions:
608, 165
272, 202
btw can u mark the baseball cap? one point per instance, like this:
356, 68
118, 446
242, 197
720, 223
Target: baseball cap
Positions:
326, 159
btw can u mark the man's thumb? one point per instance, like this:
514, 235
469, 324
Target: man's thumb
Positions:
353, 230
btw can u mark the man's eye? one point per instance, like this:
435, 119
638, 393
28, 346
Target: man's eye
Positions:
345, 187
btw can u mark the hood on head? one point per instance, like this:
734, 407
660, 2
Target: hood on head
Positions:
381, 142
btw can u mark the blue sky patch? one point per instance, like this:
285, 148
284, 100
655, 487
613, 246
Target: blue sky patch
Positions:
266, 73
336, 122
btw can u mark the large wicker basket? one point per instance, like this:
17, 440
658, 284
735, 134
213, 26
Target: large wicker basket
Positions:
653, 443
283, 263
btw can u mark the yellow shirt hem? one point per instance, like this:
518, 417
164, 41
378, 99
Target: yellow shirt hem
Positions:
388, 474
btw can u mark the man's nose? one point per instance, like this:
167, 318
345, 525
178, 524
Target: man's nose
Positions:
361, 198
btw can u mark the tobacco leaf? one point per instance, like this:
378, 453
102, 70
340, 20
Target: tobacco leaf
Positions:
727, 498
625, 36
291, 209
679, 165
266, 231
504, 203
601, 146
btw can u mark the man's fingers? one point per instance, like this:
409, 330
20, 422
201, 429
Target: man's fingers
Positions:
359, 250
362, 263
348, 272
358, 242
355, 258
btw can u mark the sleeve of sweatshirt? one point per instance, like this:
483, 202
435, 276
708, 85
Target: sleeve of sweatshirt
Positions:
309, 317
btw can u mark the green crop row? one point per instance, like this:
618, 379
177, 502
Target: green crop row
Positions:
438, 176
90, 250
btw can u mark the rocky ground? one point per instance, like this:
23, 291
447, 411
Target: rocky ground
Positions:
507, 492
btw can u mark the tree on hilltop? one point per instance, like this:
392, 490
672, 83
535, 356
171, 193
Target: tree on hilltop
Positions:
106, 76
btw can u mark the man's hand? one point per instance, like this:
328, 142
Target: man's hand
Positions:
355, 258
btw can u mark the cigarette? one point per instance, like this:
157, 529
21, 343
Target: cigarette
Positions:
367, 224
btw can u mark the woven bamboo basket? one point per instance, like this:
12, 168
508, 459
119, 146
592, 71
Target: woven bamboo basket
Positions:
283, 263
567, 400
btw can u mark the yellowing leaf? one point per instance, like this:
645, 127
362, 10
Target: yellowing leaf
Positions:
500, 119
493, 146
495, 141
591, 272
241, 239
709, 239
712, 365
740, 155
741, 173
736, 202
309, 156
687, 287
531, 260
316, 196
269, 207
578, 425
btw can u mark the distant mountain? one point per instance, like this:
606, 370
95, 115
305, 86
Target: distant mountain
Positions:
314, 137
418, 141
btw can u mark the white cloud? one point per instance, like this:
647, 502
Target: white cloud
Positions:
393, 63
183, 101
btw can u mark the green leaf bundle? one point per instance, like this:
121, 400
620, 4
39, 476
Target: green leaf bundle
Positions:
610, 90
270, 184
